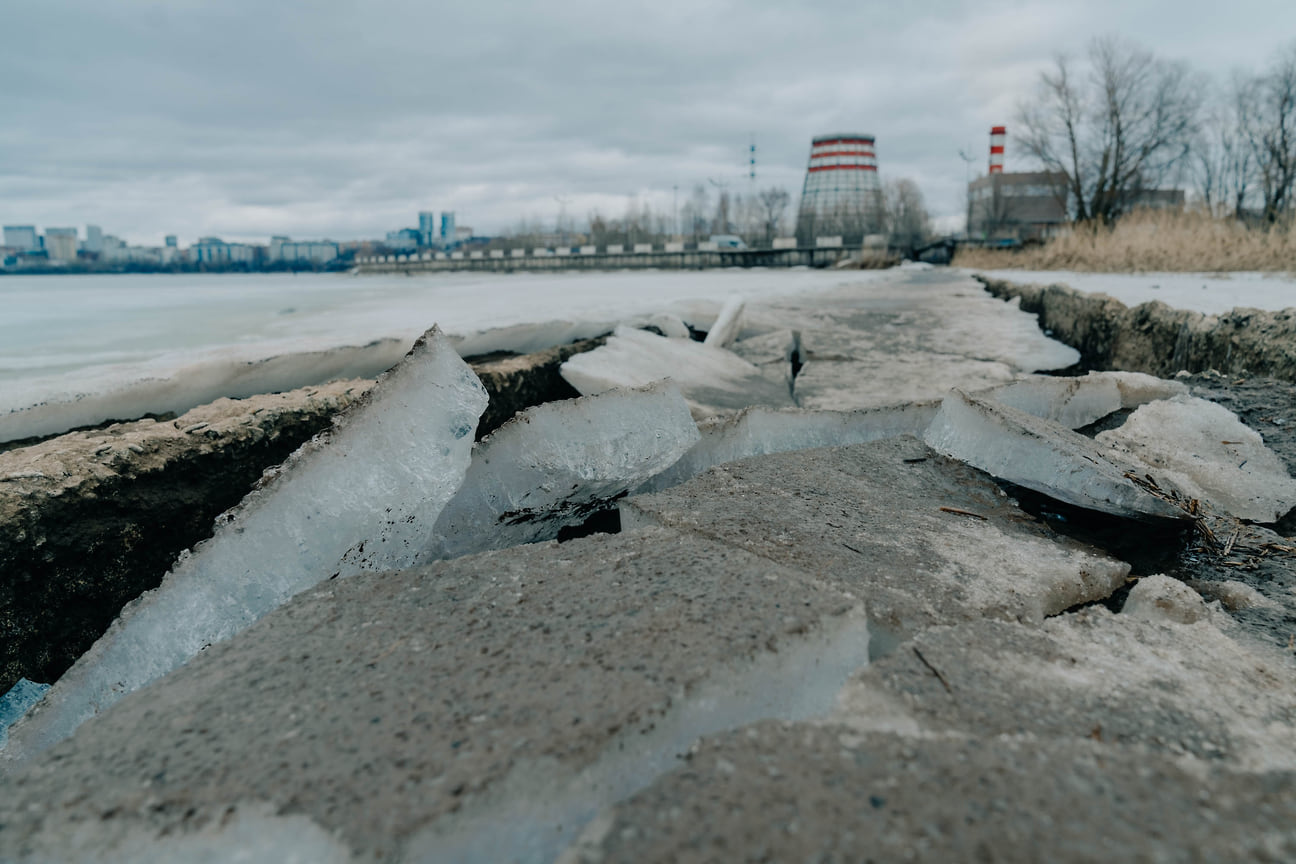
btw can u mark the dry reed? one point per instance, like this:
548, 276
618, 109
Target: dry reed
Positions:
1151, 241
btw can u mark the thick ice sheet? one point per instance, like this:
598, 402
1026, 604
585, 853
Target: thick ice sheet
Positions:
1072, 402
363, 497
1205, 450
554, 464
712, 379
1211, 293
16, 702
757, 431
1039, 455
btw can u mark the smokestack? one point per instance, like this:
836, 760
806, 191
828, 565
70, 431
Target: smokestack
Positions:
997, 135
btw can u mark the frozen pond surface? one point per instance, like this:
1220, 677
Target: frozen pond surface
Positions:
78, 350
1211, 293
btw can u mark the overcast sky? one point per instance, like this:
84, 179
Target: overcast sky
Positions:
328, 119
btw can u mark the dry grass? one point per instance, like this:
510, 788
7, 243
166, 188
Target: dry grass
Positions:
1151, 242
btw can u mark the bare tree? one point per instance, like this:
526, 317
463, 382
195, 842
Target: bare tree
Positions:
1269, 124
1122, 129
1223, 163
907, 221
773, 205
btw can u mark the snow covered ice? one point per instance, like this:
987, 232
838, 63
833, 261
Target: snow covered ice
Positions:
1208, 453
1043, 456
713, 380
371, 490
553, 464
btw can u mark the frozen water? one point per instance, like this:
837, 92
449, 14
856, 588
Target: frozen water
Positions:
554, 464
528, 338
370, 490
1210, 293
1073, 402
1137, 389
1208, 453
757, 431
779, 349
1040, 455
15, 703
671, 326
712, 379
76, 350
725, 329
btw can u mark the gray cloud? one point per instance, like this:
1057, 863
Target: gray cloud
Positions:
342, 119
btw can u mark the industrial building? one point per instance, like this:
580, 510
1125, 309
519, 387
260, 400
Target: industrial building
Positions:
841, 196
1018, 207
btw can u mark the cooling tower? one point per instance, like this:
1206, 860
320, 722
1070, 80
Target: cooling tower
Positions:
841, 195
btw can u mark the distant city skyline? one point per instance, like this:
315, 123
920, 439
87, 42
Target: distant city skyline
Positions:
243, 121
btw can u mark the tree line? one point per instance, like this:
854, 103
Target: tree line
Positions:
1122, 121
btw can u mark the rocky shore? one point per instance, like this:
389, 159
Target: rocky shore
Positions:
884, 622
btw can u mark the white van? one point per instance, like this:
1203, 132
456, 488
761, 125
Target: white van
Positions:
728, 241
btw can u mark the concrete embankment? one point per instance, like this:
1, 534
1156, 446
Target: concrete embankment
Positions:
92, 519
1155, 338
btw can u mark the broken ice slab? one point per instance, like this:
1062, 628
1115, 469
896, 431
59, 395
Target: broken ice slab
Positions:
14, 704
725, 329
556, 464
370, 489
671, 326
1137, 389
780, 350
713, 380
1072, 402
1077, 402
1043, 456
757, 431
1206, 451
527, 338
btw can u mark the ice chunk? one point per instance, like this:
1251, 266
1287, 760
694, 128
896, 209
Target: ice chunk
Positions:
712, 379
725, 329
554, 464
528, 338
757, 431
14, 704
1205, 450
1073, 402
370, 489
1160, 598
1040, 455
781, 349
671, 326
1138, 389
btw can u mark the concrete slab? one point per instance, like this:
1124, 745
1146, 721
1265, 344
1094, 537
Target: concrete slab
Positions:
477, 709
802, 792
923, 539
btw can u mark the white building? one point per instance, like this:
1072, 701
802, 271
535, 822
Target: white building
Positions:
61, 244
311, 251
94, 238
21, 237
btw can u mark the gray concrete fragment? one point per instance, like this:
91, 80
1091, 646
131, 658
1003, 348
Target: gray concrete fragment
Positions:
923, 539
1171, 688
1042, 456
1160, 598
799, 792
477, 709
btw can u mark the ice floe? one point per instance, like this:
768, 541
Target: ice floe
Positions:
1205, 450
712, 379
554, 464
727, 326
1043, 456
369, 490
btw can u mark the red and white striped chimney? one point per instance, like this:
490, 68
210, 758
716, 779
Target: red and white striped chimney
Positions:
997, 135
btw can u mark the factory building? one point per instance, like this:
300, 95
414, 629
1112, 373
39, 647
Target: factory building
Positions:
841, 196
1010, 208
